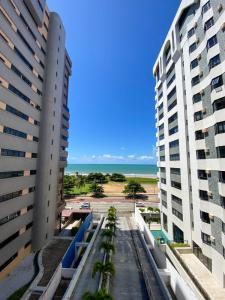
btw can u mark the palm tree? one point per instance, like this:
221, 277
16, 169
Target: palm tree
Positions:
107, 246
111, 218
100, 295
104, 269
112, 209
111, 226
108, 233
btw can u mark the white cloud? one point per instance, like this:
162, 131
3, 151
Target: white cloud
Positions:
145, 157
131, 156
113, 157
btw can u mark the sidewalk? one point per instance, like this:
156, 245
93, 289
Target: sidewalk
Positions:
205, 278
19, 277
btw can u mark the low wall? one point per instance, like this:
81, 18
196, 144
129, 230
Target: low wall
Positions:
52, 285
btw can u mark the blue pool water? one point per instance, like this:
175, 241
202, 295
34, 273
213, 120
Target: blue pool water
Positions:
159, 234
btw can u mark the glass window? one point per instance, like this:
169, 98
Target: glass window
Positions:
199, 135
197, 98
198, 116
172, 105
206, 7
220, 127
194, 63
220, 151
222, 176
175, 171
219, 104
174, 144
193, 47
211, 42
176, 185
202, 175
191, 32
174, 157
209, 24
203, 195
214, 61
195, 80
173, 130
216, 82
172, 118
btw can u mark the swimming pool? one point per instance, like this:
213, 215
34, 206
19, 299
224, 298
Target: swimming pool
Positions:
159, 234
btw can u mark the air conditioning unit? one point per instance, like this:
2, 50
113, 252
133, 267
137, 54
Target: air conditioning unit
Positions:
202, 92
212, 239
220, 7
207, 151
204, 110
199, 56
222, 26
201, 74
210, 194
204, 130
197, 40
195, 25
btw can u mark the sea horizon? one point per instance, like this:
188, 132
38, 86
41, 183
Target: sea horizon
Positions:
146, 170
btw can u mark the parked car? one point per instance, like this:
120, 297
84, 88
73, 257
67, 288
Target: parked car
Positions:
85, 205
140, 204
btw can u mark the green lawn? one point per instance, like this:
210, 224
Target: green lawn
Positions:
143, 180
82, 191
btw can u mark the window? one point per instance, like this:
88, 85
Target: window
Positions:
175, 171
9, 218
161, 137
219, 104
193, 47
171, 80
4, 175
174, 144
198, 116
202, 174
194, 63
209, 24
222, 176
18, 73
172, 118
176, 199
3, 266
195, 80
163, 192
170, 95
162, 169
176, 184
203, 195
173, 130
175, 156
191, 32
211, 42
178, 214
220, 151
206, 239
197, 97
199, 135
16, 112
214, 61
161, 127
23, 58
8, 240
220, 127
206, 7
163, 180
216, 82
25, 42
164, 203
14, 132
161, 116
222, 201
7, 152
10, 196
172, 105
162, 148
18, 93
204, 217
200, 154
162, 158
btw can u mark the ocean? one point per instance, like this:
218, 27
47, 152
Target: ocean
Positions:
126, 169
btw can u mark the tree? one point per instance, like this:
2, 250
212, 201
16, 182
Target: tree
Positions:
133, 188
117, 177
107, 246
69, 183
111, 226
80, 181
100, 295
96, 177
96, 190
108, 233
104, 269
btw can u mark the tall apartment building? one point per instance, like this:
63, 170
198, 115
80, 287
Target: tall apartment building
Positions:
34, 116
190, 120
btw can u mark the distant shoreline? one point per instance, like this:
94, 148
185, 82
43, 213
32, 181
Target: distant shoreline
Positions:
126, 175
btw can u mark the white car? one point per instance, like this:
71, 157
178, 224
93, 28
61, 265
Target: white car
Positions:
85, 205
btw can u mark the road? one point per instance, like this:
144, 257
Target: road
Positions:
86, 283
128, 283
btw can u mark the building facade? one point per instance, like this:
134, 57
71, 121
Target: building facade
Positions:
190, 121
34, 122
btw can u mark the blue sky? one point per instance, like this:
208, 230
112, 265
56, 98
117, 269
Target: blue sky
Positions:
113, 45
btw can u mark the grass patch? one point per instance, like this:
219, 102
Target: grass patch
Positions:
19, 293
80, 191
143, 180
179, 245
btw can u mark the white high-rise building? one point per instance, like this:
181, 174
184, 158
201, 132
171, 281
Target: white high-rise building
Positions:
190, 120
